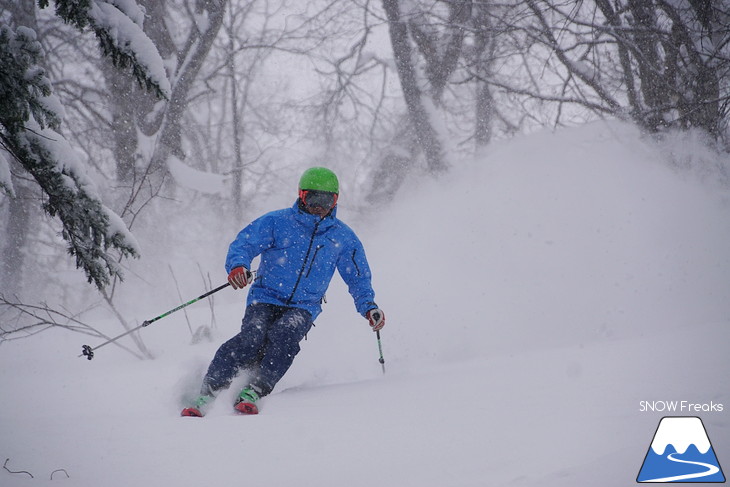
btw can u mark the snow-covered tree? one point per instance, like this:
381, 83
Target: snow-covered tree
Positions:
117, 25
31, 117
660, 63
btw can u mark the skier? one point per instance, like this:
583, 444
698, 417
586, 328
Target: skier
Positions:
300, 249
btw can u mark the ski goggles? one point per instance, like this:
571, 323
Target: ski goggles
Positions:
319, 199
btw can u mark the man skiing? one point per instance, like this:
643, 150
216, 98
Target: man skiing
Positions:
300, 249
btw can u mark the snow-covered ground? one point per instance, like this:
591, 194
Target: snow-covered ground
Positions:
534, 298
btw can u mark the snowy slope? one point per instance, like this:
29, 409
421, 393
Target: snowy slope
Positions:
534, 297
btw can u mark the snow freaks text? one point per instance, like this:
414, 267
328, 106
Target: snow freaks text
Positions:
680, 407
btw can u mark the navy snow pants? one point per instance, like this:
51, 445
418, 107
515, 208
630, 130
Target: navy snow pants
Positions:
265, 348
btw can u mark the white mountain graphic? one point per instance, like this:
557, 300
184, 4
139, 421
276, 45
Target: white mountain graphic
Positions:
680, 432
670, 458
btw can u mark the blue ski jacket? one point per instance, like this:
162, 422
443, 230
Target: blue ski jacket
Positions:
299, 254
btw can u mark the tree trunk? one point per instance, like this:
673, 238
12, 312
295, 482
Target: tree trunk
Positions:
123, 93
484, 47
425, 133
237, 127
190, 60
653, 89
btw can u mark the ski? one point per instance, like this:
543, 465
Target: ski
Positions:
244, 407
191, 412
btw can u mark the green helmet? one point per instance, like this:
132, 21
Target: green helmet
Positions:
320, 179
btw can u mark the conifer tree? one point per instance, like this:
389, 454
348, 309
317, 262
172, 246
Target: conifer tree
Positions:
31, 116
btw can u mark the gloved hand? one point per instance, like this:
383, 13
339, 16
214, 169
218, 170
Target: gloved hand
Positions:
240, 277
376, 317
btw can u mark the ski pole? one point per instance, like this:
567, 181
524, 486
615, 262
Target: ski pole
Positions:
89, 351
380, 349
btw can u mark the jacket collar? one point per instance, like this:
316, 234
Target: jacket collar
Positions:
309, 220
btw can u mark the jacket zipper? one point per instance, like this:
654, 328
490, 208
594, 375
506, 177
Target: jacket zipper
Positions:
314, 257
304, 264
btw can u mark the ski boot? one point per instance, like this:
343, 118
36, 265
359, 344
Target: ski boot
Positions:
199, 407
246, 402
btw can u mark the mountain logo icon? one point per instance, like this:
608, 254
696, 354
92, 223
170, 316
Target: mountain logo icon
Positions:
681, 452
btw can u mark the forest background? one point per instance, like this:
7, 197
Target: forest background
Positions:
132, 133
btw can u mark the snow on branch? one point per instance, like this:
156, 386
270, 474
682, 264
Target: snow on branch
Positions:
6, 182
29, 115
191, 178
130, 8
25, 89
90, 228
127, 45
118, 27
